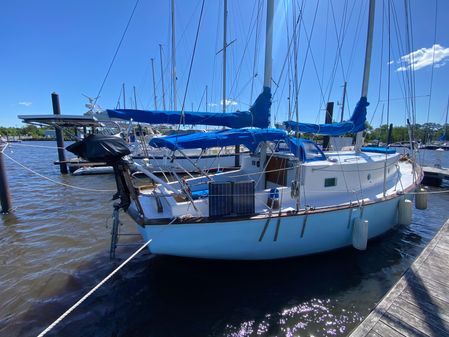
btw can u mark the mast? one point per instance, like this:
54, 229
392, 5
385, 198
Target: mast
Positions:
369, 47
206, 99
445, 122
269, 45
135, 97
343, 102
162, 77
268, 65
173, 51
124, 97
154, 85
225, 26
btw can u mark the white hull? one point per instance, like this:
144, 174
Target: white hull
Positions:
285, 236
333, 193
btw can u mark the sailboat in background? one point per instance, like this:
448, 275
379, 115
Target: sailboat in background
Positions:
443, 141
158, 160
287, 199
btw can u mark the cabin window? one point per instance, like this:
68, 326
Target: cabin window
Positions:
312, 152
368, 177
329, 182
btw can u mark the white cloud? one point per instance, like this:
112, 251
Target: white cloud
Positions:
391, 62
27, 104
229, 102
424, 57
212, 104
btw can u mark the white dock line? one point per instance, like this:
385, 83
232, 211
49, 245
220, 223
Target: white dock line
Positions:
54, 181
73, 307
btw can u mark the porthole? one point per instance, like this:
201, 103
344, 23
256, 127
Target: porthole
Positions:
330, 182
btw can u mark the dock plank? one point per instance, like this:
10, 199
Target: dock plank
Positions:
384, 330
429, 280
435, 316
419, 320
435, 305
418, 304
401, 326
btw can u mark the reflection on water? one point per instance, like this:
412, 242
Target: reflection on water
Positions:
54, 248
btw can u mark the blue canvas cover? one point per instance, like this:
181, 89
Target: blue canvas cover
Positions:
305, 150
385, 150
247, 137
257, 116
355, 124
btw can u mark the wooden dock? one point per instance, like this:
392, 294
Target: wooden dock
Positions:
418, 304
434, 176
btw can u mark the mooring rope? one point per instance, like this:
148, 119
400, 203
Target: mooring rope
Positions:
54, 181
73, 307
39, 146
3, 147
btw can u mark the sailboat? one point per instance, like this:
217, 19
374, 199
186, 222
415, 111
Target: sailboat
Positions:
288, 199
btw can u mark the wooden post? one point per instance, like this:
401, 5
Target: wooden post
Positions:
328, 120
59, 136
4, 188
390, 134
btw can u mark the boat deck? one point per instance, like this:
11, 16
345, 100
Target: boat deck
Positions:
418, 304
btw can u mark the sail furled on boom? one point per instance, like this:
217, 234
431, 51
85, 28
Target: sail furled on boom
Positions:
257, 116
247, 137
355, 124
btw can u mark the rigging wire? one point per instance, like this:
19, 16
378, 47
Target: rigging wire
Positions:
116, 52
382, 62
309, 39
402, 75
191, 63
256, 49
249, 35
433, 61
215, 56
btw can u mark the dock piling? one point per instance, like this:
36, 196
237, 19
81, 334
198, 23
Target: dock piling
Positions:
59, 135
5, 196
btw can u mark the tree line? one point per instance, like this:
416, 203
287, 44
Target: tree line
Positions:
424, 133
29, 130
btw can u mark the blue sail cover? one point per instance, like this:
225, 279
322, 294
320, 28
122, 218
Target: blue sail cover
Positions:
248, 137
355, 124
257, 116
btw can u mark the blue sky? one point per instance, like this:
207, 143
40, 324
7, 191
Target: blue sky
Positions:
67, 46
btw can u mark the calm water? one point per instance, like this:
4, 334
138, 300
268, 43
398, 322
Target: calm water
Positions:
54, 248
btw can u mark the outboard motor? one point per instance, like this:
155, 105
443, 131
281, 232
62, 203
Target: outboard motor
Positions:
111, 150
